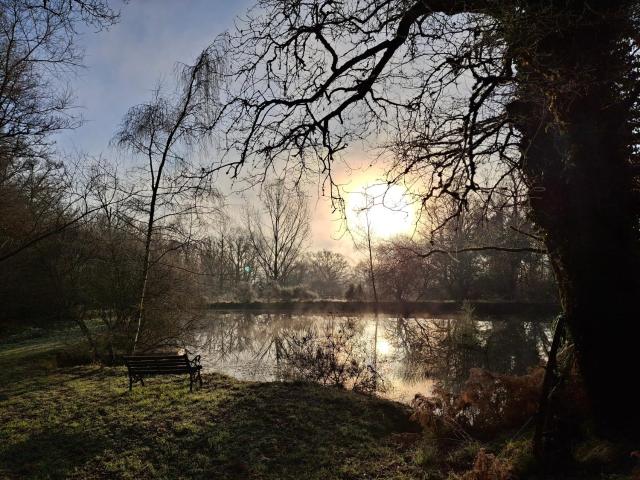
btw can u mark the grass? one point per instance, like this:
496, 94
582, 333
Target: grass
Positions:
82, 422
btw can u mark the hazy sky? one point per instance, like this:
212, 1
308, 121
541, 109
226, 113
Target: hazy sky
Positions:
125, 63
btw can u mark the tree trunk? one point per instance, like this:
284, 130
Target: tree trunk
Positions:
597, 277
576, 148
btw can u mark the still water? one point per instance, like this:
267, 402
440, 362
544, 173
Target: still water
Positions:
394, 357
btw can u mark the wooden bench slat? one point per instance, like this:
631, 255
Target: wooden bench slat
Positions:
142, 364
160, 365
183, 363
156, 365
163, 360
160, 372
133, 360
153, 357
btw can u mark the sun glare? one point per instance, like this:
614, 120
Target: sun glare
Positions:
387, 210
383, 346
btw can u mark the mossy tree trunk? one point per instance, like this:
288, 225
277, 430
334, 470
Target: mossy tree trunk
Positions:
577, 135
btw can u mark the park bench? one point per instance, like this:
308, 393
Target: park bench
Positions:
140, 366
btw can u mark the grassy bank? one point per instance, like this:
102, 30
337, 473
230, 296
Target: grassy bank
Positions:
81, 422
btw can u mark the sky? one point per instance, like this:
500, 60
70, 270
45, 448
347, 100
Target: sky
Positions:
124, 64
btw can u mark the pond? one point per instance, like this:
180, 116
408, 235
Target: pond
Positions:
391, 356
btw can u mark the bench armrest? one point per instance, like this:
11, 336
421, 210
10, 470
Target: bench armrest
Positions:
195, 362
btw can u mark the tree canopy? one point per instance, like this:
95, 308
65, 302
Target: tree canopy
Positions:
532, 102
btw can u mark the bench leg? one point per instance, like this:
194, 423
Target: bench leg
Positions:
200, 378
133, 379
191, 382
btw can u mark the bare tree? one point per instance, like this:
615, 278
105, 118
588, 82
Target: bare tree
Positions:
37, 52
364, 238
98, 271
400, 275
279, 229
241, 256
228, 259
37, 46
162, 131
327, 272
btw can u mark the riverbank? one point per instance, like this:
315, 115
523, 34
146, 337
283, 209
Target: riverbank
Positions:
338, 307
82, 422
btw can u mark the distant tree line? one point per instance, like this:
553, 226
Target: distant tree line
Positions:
234, 261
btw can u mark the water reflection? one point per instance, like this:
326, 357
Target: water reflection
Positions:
397, 357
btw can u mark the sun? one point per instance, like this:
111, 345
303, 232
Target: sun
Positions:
383, 346
386, 209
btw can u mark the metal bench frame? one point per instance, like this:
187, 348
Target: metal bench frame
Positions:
140, 366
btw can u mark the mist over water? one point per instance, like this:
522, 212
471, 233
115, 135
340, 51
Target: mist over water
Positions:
394, 357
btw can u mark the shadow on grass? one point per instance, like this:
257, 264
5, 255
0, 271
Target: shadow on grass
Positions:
49, 454
92, 427
26, 381
302, 431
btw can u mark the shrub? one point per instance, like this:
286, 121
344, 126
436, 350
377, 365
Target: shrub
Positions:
487, 403
426, 455
244, 292
354, 293
73, 356
488, 467
288, 294
332, 356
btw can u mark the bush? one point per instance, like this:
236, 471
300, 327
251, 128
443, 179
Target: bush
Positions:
514, 460
287, 294
487, 403
244, 292
463, 456
426, 455
354, 293
595, 452
298, 293
331, 357
488, 467
73, 356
